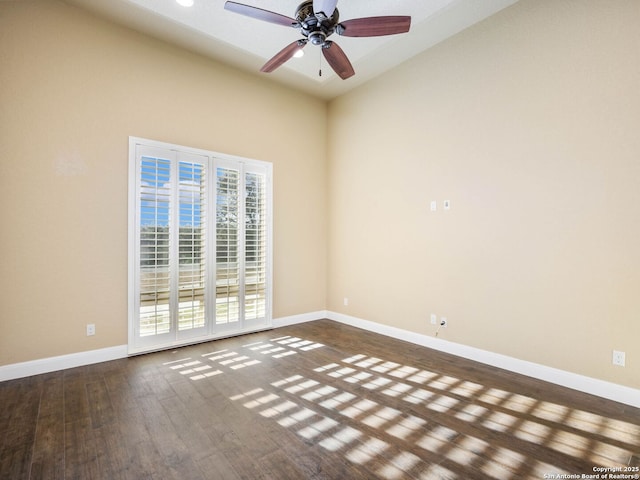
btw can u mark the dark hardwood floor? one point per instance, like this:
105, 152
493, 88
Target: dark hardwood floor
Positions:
313, 401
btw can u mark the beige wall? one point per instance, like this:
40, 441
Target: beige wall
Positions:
72, 89
528, 123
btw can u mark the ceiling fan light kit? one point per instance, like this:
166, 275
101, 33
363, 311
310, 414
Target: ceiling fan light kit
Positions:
317, 20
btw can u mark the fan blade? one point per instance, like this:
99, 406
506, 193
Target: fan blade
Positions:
283, 55
260, 14
374, 26
337, 59
324, 6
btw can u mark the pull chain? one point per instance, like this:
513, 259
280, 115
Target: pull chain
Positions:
320, 63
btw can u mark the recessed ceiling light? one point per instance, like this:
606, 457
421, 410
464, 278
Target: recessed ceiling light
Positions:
185, 3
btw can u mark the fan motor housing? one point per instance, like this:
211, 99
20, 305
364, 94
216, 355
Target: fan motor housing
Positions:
315, 28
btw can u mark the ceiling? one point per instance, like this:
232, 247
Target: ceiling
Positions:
246, 43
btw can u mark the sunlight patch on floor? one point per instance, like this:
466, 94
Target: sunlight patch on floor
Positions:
431, 399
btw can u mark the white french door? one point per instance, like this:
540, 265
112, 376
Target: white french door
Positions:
241, 246
199, 245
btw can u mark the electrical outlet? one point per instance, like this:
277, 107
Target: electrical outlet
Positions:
434, 319
443, 322
618, 358
91, 329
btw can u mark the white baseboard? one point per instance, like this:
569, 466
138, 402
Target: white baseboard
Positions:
593, 386
600, 388
52, 364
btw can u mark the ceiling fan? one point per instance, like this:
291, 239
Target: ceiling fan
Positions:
317, 20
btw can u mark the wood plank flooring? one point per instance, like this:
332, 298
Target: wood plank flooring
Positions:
319, 400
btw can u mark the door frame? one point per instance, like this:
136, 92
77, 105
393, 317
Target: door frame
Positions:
135, 346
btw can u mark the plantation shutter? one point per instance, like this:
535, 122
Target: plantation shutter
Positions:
192, 221
255, 268
155, 285
227, 245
